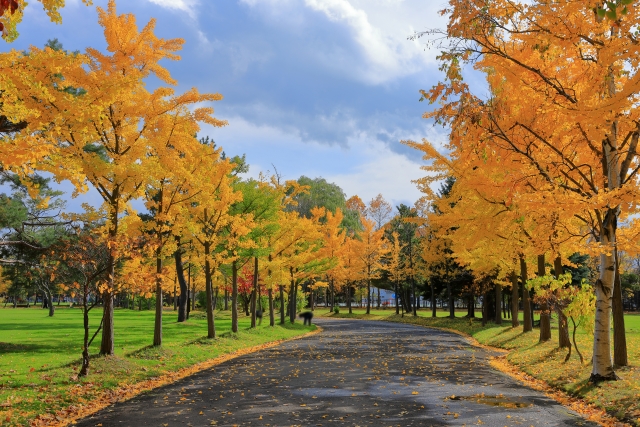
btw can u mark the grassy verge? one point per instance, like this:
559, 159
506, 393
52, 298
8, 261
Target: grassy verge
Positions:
40, 358
544, 361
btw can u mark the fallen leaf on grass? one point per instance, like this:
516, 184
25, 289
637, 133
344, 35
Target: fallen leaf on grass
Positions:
127, 391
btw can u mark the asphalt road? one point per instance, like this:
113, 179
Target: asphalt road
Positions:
354, 373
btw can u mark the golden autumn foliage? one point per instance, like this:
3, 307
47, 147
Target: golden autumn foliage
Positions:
554, 173
90, 119
12, 11
334, 238
371, 249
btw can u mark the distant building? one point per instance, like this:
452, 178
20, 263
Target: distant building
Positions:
387, 298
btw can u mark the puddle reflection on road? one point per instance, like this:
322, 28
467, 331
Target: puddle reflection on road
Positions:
499, 400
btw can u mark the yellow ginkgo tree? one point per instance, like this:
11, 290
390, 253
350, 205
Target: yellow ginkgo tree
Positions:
12, 11
211, 224
371, 248
107, 126
394, 265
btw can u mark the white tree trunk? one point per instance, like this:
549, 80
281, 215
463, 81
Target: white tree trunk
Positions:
602, 364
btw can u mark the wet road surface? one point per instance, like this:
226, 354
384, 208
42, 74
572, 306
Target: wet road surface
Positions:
354, 373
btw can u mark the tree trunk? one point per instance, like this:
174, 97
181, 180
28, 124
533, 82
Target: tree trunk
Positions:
234, 296
545, 315
369, 293
193, 290
407, 298
282, 304
189, 296
619, 336
413, 293
527, 325
84, 370
485, 308
272, 320
349, 297
514, 300
175, 301
292, 297
211, 327
226, 297
498, 304
107, 344
157, 329
184, 289
246, 303
332, 296
50, 305
379, 300
602, 365
452, 308
433, 301
254, 295
563, 325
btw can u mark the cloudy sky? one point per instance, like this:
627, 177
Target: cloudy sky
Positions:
322, 88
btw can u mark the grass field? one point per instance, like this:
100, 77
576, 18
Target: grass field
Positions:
543, 361
40, 356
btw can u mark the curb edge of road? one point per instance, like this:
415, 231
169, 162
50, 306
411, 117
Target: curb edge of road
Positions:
129, 391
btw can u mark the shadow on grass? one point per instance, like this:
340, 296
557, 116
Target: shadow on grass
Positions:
583, 387
9, 347
502, 342
151, 352
209, 341
98, 363
546, 355
40, 326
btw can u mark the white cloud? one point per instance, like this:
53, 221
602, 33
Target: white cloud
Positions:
205, 43
187, 6
243, 57
282, 13
383, 172
276, 3
366, 167
381, 28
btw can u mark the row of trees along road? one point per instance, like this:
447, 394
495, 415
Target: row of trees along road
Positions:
523, 184
88, 118
549, 177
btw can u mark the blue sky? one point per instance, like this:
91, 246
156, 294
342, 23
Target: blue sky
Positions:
323, 88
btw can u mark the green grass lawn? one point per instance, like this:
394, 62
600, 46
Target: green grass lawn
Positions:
40, 356
543, 361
